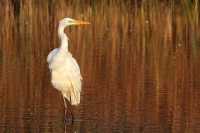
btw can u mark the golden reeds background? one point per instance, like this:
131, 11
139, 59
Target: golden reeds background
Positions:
139, 61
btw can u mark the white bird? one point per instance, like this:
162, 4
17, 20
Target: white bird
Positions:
65, 72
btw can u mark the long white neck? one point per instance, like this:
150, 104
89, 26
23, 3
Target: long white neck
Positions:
63, 37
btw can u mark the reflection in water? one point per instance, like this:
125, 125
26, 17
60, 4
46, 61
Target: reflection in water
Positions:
139, 62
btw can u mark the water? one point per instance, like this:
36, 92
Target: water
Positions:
139, 63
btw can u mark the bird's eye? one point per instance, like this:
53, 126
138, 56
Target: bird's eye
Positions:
70, 21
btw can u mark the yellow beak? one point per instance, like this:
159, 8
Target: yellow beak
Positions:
80, 22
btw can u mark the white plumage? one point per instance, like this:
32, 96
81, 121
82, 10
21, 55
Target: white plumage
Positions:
65, 72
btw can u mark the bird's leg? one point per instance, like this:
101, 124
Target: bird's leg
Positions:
65, 107
71, 110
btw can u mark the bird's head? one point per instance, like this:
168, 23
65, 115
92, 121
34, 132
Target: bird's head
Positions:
68, 21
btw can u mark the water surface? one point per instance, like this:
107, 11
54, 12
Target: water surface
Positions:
140, 64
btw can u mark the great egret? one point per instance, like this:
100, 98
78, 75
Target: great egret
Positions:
65, 72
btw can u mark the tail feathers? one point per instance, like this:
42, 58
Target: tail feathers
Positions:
72, 98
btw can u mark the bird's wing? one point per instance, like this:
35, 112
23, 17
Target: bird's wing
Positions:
73, 73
